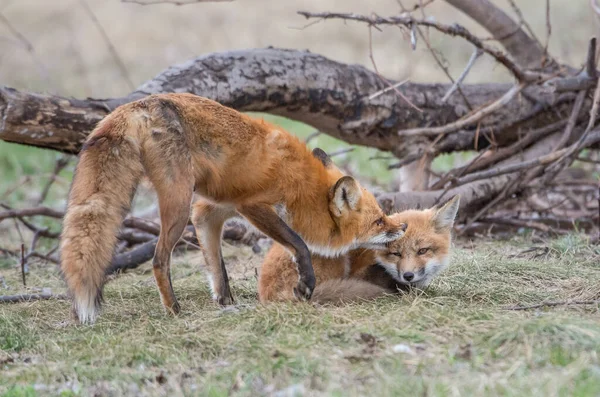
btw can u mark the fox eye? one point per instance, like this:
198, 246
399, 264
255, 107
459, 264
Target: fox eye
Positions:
398, 254
422, 251
379, 222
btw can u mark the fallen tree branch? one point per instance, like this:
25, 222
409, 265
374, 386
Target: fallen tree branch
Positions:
31, 297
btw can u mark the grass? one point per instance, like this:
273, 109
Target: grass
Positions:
455, 338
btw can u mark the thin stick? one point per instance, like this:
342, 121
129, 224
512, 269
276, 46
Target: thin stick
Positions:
522, 20
433, 53
29, 47
508, 187
111, 48
312, 136
452, 30
548, 27
510, 168
466, 121
553, 304
30, 297
577, 146
58, 167
42, 211
474, 56
383, 79
341, 151
23, 264
572, 120
393, 87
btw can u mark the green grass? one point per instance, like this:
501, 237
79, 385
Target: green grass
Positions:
456, 337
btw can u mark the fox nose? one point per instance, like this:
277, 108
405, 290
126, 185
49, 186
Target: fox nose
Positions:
409, 276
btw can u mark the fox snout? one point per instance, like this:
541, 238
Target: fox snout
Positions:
397, 232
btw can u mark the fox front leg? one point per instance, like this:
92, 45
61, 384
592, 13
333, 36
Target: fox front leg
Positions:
266, 220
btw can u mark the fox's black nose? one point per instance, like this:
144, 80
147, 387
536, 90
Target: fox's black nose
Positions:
403, 226
409, 276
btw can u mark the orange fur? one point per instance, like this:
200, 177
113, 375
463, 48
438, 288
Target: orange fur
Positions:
186, 144
367, 273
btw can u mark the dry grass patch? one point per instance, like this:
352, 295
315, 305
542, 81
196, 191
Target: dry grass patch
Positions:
456, 337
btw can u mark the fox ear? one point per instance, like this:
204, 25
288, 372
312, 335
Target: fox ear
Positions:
443, 217
322, 156
345, 195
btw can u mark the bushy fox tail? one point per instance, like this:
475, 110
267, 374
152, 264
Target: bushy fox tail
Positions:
346, 290
105, 180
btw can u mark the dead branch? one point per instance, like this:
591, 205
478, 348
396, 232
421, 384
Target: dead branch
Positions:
45, 295
37, 211
466, 121
474, 56
433, 53
454, 30
61, 163
544, 160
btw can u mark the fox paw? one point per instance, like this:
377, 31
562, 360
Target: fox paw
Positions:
225, 300
302, 291
174, 309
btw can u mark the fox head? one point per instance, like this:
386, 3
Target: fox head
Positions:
359, 220
423, 252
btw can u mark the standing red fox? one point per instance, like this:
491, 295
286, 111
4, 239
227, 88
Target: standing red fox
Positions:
187, 144
410, 261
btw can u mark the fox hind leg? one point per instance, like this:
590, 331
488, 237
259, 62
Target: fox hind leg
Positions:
208, 220
174, 215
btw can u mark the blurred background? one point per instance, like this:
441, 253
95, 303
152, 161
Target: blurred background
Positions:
106, 48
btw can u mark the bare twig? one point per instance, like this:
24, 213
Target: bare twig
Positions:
37, 211
61, 163
23, 264
510, 168
522, 20
421, 5
312, 136
29, 48
45, 295
553, 304
381, 92
454, 30
396, 90
341, 151
111, 48
564, 139
548, 27
465, 121
474, 56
